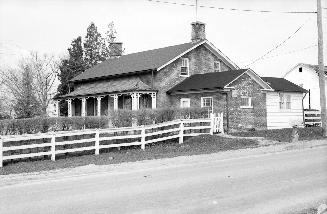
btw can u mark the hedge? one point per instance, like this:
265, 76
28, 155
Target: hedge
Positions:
119, 118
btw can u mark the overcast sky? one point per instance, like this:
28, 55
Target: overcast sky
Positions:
49, 26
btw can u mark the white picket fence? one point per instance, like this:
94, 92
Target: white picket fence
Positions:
312, 117
55, 142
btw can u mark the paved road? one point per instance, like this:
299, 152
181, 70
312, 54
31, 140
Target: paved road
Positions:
271, 183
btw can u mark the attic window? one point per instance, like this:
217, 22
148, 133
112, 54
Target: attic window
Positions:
185, 67
216, 66
300, 69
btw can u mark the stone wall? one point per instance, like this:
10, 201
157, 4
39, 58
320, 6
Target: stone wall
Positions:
201, 60
247, 118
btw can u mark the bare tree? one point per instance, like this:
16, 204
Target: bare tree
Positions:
31, 85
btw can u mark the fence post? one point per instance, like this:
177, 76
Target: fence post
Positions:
1, 152
53, 147
181, 133
221, 124
143, 138
97, 142
212, 123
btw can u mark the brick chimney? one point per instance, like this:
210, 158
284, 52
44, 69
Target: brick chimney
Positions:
198, 31
116, 49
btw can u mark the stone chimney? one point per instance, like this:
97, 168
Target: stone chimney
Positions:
116, 49
198, 31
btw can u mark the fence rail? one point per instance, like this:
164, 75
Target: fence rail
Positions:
54, 143
312, 118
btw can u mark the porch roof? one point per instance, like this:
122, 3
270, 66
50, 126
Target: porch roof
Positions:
207, 81
110, 86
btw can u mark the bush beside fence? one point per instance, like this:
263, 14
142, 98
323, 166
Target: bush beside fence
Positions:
119, 118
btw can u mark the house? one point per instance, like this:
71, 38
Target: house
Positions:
284, 105
193, 74
306, 76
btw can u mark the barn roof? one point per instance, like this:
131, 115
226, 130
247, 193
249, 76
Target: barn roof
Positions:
281, 84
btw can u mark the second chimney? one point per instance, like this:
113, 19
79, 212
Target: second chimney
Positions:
116, 49
198, 31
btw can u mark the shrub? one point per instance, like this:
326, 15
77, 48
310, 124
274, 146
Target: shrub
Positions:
119, 118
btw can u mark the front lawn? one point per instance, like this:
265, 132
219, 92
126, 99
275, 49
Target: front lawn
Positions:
284, 135
203, 144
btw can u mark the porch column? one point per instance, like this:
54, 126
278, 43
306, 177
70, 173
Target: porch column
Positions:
154, 100
57, 111
115, 96
69, 107
108, 104
99, 106
135, 101
83, 107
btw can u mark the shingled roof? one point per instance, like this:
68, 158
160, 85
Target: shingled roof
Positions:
281, 84
135, 62
207, 81
110, 86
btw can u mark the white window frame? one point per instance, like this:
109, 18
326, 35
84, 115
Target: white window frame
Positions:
219, 66
202, 103
188, 100
185, 63
285, 101
250, 104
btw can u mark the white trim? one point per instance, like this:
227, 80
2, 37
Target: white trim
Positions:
255, 77
195, 46
202, 99
187, 100
250, 102
221, 55
180, 55
219, 65
186, 64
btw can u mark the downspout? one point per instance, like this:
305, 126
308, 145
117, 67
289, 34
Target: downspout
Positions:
303, 106
227, 112
152, 76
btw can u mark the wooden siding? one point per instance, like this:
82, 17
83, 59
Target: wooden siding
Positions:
283, 118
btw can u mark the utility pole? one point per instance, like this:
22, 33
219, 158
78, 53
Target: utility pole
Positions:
321, 69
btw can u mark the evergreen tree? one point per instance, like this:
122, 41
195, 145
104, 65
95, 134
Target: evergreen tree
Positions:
70, 68
93, 47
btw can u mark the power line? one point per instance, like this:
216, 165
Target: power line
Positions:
235, 9
278, 45
285, 53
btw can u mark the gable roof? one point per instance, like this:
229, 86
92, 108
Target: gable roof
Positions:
207, 81
110, 86
155, 59
281, 84
310, 66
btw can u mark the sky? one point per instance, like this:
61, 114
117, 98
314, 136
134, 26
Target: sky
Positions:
49, 26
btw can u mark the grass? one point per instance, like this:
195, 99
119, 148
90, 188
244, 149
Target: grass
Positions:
203, 144
284, 135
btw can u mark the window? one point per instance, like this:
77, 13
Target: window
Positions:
284, 101
300, 69
185, 102
206, 102
185, 67
216, 66
246, 102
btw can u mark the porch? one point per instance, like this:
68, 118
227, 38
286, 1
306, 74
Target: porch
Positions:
100, 105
